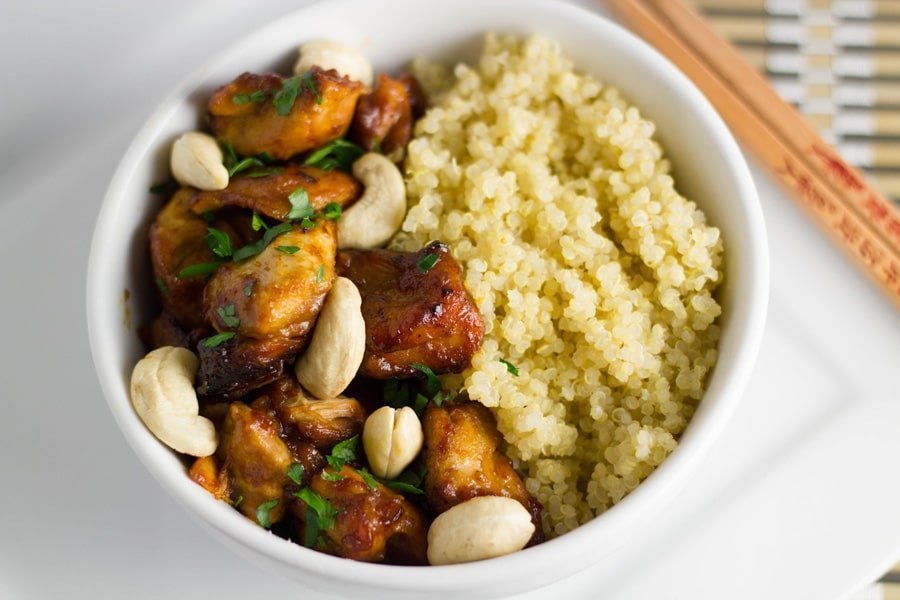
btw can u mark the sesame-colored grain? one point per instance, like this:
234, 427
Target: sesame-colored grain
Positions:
594, 275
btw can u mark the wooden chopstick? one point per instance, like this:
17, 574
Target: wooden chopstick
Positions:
855, 215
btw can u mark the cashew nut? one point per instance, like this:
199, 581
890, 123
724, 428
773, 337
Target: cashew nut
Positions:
479, 528
337, 345
332, 55
392, 440
162, 392
196, 161
378, 214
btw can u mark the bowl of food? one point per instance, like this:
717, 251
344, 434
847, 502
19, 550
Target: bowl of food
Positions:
451, 307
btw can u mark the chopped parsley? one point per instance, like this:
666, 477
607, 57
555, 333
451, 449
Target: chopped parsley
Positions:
238, 501
243, 165
218, 339
266, 157
320, 515
295, 473
332, 211
307, 223
420, 405
288, 249
426, 262
284, 99
320, 274
368, 478
329, 476
264, 172
198, 270
513, 369
263, 513
339, 154
433, 385
397, 393
248, 289
164, 288
255, 96
229, 156
409, 481
300, 206
208, 216
257, 223
257, 247
218, 241
342, 453
226, 313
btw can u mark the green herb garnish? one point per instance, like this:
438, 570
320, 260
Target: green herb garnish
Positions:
300, 206
226, 313
342, 453
288, 249
243, 165
332, 211
218, 241
319, 516
238, 501
397, 393
426, 262
433, 385
409, 481
329, 476
208, 216
307, 223
266, 157
339, 154
513, 369
284, 99
257, 247
257, 223
229, 157
218, 339
263, 172
163, 287
309, 82
262, 513
320, 274
295, 473
368, 478
420, 405
198, 269
256, 96
248, 289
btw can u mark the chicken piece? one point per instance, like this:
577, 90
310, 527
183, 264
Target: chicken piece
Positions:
258, 459
278, 292
269, 195
322, 423
321, 111
417, 101
463, 460
413, 316
383, 118
234, 368
373, 525
206, 473
176, 242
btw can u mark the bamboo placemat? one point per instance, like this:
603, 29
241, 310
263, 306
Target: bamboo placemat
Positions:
837, 61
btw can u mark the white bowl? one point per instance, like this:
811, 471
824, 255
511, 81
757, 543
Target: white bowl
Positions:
709, 168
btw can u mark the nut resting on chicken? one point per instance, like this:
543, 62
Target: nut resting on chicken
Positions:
373, 219
392, 439
196, 161
479, 528
338, 343
333, 55
162, 392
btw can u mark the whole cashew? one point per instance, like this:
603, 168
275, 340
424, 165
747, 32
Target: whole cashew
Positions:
332, 55
338, 343
162, 392
481, 527
392, 439
373, 219
196, 161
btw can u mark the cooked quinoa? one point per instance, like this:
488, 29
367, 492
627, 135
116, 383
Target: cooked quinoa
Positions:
596, 278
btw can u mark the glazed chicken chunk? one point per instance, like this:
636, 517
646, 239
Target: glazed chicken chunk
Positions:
268, 195
322, 423
283, 116
371, 525
384, 118
464, 461
416, 310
